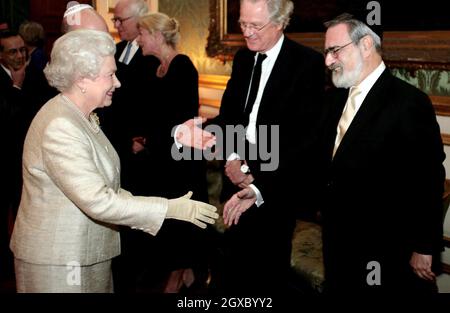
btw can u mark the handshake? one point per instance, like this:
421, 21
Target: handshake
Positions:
188, 210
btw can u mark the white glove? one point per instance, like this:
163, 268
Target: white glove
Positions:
192, 211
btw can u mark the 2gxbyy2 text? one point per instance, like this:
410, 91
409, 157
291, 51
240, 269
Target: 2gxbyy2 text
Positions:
224, 302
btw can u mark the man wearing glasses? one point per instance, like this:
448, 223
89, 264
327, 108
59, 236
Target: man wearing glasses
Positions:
123, 124
137, 76
384, 179
274, 82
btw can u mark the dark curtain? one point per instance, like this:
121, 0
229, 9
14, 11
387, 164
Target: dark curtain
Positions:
14, 12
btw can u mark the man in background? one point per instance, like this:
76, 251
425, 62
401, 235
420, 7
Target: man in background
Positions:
124, 123
383, 173
24, 90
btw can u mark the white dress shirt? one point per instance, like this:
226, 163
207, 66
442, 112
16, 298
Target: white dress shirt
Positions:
251, 132
134, 48
367, 84
9, 74
266, 70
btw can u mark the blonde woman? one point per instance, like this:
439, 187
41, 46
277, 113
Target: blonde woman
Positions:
174, 100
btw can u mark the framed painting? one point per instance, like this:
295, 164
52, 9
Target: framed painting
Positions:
414, 37
110, 4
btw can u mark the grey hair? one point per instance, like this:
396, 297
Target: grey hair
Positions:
280, 11
138, 8
356, 29
78, 54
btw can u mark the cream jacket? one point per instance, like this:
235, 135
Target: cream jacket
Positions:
71, 196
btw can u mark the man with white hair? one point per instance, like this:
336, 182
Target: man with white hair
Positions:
275, 83
381, 205
122, 123
82, 16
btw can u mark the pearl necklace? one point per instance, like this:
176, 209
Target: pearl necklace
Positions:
93, 121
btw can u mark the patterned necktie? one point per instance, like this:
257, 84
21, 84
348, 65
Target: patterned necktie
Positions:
346, 117
127, 53
256, 77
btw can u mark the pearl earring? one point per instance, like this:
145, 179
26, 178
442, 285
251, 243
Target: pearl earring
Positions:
83, 90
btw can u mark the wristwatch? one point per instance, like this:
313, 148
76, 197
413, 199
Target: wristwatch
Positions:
245, 169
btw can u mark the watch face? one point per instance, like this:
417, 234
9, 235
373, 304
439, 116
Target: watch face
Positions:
244, 168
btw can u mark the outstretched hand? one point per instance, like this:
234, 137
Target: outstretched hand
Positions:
195, 212
189, 134
238, 204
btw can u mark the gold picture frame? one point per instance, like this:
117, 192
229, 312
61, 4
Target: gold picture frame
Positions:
111, 4
411, 50
406, 49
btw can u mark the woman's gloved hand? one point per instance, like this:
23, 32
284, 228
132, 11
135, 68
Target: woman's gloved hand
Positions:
188, 210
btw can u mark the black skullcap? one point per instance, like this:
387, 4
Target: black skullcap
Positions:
368, 12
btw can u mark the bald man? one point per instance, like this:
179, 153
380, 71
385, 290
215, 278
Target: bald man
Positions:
83, 16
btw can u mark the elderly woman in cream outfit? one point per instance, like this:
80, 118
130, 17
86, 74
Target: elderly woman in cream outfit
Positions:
65, 236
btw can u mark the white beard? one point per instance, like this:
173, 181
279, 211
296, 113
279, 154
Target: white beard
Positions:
348, 79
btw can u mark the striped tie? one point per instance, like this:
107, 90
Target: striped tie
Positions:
127, 53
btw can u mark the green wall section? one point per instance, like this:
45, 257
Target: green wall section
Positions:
435, 83
193, 16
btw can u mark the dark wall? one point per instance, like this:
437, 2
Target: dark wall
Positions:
49, 13
14, 12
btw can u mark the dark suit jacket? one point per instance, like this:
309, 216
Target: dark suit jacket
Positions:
292, 102
20, 106
383, 189
121, 121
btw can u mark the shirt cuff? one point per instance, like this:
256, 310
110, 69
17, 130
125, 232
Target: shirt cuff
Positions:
259, 198
233, 156
179, 145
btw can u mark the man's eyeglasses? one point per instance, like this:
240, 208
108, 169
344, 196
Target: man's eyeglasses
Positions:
22, 50
120, 20
335, 50
252, 27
